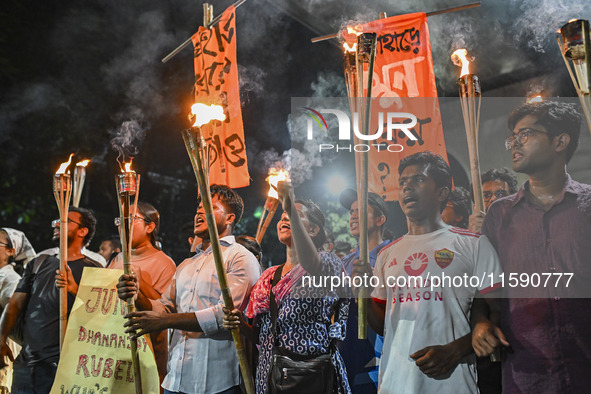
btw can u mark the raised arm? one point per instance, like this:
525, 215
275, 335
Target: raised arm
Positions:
302, 244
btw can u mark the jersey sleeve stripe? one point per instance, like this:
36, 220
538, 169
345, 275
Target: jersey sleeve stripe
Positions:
490, 288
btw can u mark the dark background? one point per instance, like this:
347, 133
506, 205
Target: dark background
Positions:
71, 72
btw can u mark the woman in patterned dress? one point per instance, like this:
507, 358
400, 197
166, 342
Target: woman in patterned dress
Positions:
304, 314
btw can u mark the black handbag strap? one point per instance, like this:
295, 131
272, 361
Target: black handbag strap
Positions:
274, 310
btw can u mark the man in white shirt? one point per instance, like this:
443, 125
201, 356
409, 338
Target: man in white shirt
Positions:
426, 325
202, 358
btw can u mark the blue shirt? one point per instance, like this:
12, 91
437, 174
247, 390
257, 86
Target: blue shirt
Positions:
361, 355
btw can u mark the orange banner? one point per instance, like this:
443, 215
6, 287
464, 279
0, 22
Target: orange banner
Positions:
403, 68
216, 82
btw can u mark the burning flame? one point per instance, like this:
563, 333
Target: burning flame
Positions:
83, 163
356, 30
127, 166
206, 113
64, 166
460, 60
275, 176
535, 99
350, 48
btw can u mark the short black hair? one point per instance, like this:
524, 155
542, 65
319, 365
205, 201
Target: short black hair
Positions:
87, 220
461, 199
556, 117
503, 175
315, 216
251, 244
437, 169
342, 246
150, 213
115, 241
230, 199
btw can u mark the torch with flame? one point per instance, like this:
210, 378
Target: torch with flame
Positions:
575, 45
470, 97
272, 202
128, 190
359, 61
79, 178
198, 152
534, 99
62, 191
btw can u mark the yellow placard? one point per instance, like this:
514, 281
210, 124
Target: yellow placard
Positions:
96, 355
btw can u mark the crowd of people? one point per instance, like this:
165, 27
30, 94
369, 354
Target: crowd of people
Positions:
422, 337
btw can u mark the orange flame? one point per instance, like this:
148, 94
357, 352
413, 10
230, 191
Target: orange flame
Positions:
275, 176
127, 166
534, 99
348, 48
356, 30
572, 20
459, 58
206, 113
64, 166
83, 163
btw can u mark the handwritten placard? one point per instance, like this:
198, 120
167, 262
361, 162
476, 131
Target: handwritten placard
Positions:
96, 355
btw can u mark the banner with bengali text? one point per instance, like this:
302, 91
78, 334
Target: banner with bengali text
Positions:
403, 68
216, 82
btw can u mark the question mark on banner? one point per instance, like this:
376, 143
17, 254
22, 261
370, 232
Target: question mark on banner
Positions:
384, 167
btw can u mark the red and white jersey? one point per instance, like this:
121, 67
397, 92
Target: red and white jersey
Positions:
427, 283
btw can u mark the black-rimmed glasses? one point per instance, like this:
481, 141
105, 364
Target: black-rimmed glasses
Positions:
55, 222
117, 220
520, 137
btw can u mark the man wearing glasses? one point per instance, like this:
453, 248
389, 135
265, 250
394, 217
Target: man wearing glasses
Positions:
544, 229
38, 298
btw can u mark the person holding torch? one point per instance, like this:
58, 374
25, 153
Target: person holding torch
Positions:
202, 357
303, 325
37, 297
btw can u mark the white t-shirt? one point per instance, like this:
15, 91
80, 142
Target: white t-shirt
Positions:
418, 315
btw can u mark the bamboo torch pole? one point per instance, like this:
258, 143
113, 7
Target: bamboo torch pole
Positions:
62, 191
575, 45
197, 151
359, 92
271, 203
269, 210
366, 54
128, 190
470, 96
